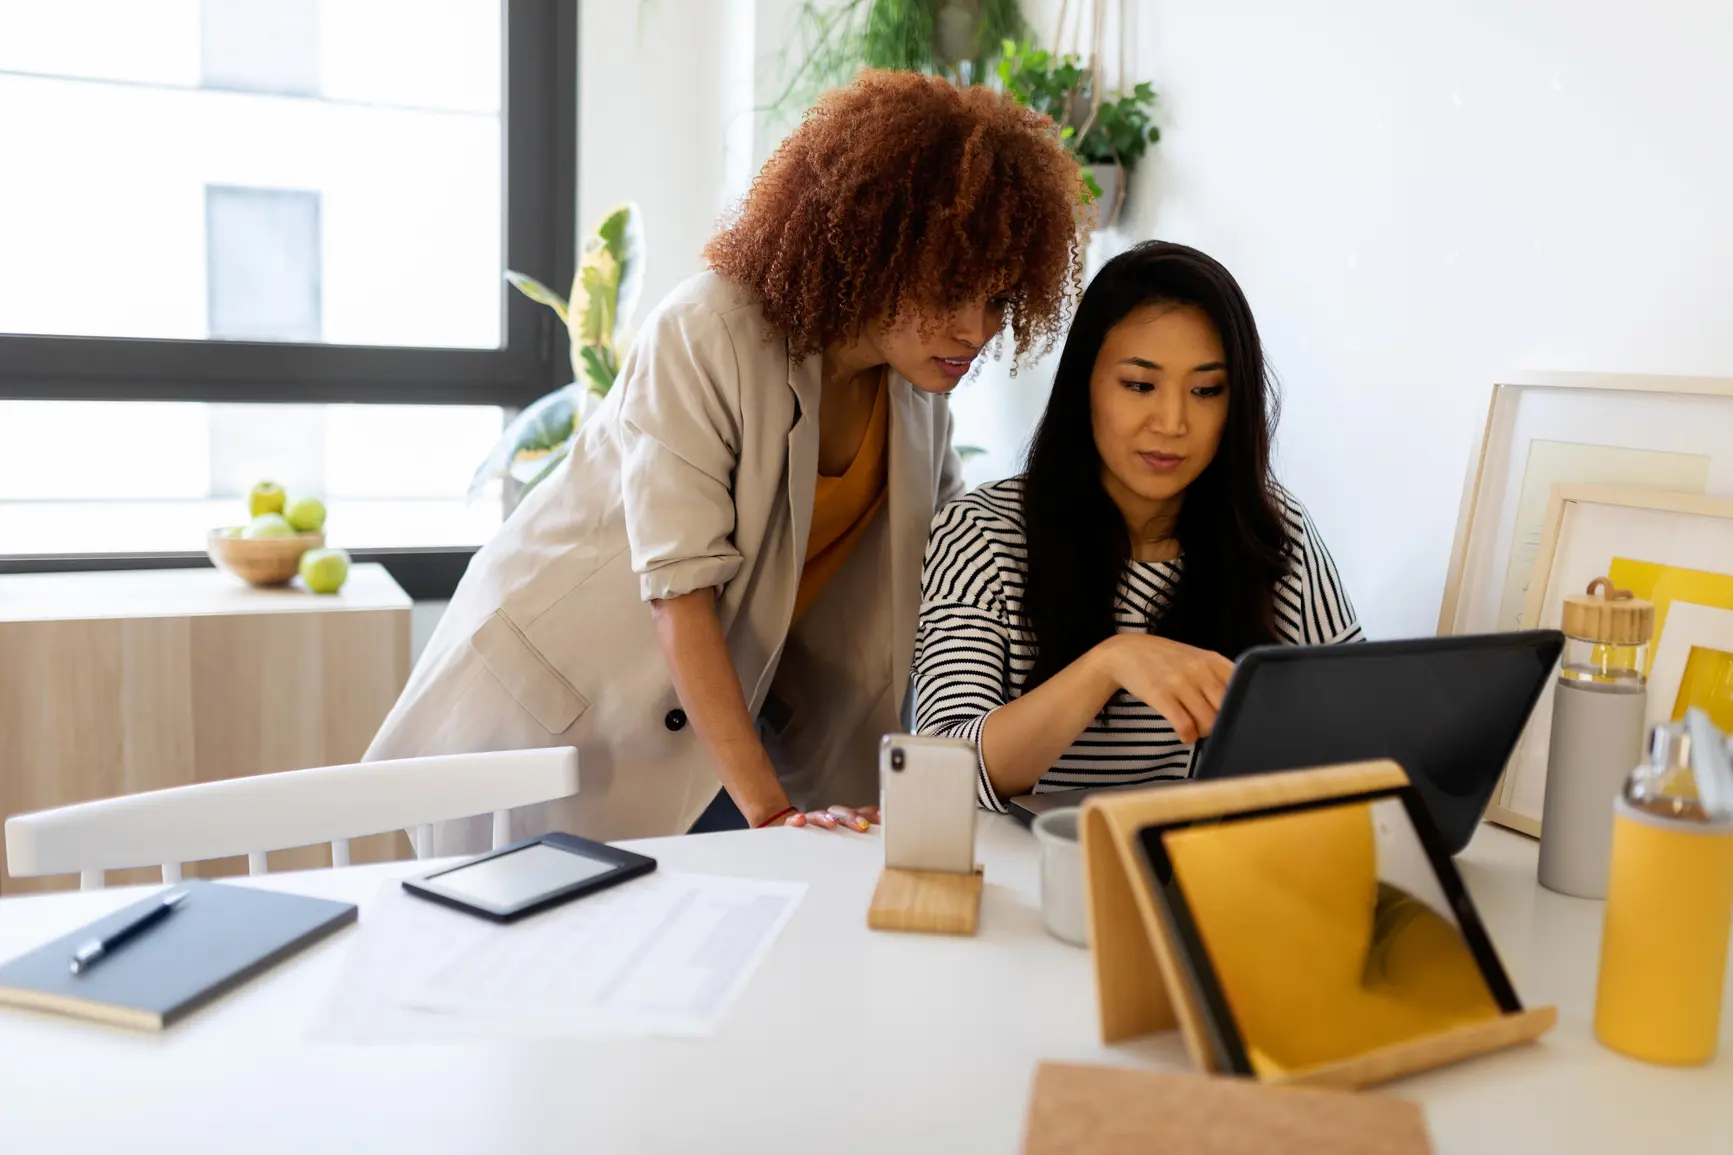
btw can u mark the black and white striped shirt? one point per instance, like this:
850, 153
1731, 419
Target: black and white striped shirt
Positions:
973, 652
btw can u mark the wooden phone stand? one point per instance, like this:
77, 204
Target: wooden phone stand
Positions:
1139, 983
928, 901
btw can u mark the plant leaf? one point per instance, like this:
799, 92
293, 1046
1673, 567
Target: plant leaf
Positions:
594, 291
630, 254
609, 274
538, 292
599, 369
542, 426
548, 467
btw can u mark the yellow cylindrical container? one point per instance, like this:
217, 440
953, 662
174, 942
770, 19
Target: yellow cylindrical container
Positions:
1664, 944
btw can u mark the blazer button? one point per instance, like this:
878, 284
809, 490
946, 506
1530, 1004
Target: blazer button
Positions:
676, 720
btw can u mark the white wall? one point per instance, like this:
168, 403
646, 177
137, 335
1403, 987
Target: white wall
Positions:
1420, 198
664, 89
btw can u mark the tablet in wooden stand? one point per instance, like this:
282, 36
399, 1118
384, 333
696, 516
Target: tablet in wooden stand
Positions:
1195, 890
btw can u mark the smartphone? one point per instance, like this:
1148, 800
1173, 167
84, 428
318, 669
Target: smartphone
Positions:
927, 802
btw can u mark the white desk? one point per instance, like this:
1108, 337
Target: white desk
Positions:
846, 1040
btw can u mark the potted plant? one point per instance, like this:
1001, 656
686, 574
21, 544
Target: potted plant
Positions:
957, 39
598, 317
1107, 132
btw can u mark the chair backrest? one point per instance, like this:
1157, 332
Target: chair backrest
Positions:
275, 811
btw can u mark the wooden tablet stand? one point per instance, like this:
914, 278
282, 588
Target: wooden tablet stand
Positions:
929, 901
1139, 984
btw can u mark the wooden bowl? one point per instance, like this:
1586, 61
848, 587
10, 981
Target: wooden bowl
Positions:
260, 561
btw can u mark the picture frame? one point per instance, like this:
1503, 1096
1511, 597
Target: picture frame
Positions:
1689, 628
1642, 431
1593, 531
1142, 969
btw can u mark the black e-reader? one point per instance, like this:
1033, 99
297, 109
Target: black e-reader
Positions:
530, 876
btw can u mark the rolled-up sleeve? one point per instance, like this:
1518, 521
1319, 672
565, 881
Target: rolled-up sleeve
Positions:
680, 441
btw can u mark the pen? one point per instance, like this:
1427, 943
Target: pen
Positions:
99, 947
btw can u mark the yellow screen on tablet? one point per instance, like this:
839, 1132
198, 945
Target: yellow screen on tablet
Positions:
1326, 931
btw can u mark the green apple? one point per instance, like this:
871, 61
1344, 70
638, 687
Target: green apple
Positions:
324, 570
306, 514
267, 497
269, 525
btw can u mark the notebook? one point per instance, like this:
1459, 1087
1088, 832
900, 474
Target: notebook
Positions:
217, 938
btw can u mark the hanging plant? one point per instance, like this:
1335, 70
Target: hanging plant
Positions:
1108, 132
959, 40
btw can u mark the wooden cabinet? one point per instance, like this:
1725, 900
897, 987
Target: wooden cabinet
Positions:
117, 682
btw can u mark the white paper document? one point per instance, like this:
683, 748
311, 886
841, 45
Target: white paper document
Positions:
662, 955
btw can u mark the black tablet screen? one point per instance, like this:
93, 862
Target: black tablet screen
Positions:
510, 880
1447, 710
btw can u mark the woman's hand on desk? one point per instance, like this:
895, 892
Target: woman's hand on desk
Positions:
848, 817
1181, 683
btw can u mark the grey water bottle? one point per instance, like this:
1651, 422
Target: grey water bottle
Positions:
1598, 713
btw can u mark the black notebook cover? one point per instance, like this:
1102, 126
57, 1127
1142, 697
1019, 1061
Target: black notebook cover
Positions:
217, 938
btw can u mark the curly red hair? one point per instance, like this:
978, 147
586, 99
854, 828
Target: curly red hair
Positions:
906, 191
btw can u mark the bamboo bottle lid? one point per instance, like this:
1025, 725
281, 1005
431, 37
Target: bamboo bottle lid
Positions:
1609, 615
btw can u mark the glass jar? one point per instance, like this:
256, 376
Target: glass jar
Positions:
1665, 784
1604, 663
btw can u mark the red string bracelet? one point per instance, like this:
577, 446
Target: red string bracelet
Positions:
778, 816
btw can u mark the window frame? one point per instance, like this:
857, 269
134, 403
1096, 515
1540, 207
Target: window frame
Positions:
540, 174
429, 573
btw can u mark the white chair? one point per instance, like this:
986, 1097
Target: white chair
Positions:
276, 811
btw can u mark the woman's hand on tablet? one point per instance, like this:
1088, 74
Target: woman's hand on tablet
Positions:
860, 818
1183, 684
1021, 740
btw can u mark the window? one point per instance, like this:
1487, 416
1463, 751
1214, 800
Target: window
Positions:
284, 200
249, 239
264, 263
251, 46
145, 477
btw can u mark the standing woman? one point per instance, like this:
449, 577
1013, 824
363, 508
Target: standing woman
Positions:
714, 598
1080, 622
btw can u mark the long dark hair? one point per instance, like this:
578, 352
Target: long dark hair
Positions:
1233, 538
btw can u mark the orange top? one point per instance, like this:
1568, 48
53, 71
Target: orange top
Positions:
843, 507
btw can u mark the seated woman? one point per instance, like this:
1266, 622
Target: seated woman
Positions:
1079, 623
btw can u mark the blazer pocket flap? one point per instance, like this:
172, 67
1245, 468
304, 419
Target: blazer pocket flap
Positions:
526, 675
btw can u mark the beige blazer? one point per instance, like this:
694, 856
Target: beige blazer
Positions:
697, 471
